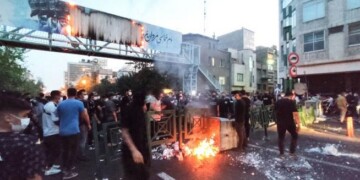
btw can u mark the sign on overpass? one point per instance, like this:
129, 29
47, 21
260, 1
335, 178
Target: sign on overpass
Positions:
60, 17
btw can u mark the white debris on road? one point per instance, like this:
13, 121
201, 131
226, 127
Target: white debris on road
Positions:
331, 150
275, 168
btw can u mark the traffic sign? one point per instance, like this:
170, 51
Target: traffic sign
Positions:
293, 71
293, 58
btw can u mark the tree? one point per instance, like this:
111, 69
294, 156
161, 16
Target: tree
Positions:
104, 87
13, 76
147, 79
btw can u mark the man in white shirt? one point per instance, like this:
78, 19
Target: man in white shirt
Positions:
52, 139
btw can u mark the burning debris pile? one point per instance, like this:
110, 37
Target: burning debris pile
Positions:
200, 149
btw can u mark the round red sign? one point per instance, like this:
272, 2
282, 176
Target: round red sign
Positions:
293, 58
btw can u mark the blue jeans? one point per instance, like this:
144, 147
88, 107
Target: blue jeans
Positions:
83, 139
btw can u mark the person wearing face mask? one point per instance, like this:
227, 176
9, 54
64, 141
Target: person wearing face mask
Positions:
51, 135
20, 155
84, 130
125, 104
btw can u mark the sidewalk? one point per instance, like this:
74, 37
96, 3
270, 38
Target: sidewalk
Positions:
332, 125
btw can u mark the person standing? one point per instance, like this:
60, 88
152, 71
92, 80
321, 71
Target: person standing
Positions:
239, 123
125, 104
342, 105
247, 101
267, 99
136, 151
84, 130
287, 120
52, 141
69, 112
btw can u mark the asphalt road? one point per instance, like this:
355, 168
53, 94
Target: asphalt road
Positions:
319, 156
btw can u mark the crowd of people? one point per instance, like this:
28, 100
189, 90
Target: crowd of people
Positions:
53, 132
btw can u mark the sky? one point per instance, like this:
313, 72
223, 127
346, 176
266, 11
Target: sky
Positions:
185, 16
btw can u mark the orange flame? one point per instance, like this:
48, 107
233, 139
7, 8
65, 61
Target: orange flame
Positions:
71, 3
68, 30
205, 149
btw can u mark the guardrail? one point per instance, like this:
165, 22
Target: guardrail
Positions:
262, 115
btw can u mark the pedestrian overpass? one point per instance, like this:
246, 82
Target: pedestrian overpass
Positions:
64, 27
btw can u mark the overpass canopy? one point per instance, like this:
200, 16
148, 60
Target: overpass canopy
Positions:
65, 18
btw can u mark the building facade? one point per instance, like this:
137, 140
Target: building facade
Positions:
92, 69
266, 68
239, 39
240, 44
214, 68
243, 70
326, 35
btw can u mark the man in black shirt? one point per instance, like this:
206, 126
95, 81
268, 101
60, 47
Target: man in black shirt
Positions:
287, 120
239, 119
213, 105
225, 106
125, 104
267, 99
136, 151
247, 114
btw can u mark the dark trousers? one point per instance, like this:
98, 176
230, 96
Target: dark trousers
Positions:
133, 171
52, 146
282, 128
70, 146
240, 129
247, 127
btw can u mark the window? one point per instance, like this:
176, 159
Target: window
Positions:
212, 61
293, 18
222, 80
354, 33
270, 67
222, 63
336, 29
287, 35
313, 10
314, 41
285, 3
352, 4
240, 77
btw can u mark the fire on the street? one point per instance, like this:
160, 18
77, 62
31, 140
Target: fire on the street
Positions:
205, 149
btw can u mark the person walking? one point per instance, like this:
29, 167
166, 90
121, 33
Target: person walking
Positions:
136, 151
287, 120
52, 141
239, 123
342, 105
69, 112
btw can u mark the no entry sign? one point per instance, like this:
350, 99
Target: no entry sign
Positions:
293, 58
293, 71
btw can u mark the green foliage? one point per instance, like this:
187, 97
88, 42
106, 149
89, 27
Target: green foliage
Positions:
13, 76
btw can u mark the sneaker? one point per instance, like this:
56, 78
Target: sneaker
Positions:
69, 175
52, 171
